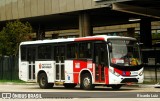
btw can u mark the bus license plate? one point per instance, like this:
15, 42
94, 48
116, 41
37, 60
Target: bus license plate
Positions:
134, 73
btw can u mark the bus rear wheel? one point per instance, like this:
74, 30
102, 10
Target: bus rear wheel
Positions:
86, 82
69, 85
43, 82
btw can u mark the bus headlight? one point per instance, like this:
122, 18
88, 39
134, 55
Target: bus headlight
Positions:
113, 72
141, 73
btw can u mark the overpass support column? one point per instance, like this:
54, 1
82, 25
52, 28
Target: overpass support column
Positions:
85, 27
40, 33
131, 32
145, 33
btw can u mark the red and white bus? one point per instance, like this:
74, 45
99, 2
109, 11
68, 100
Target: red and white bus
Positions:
88, 61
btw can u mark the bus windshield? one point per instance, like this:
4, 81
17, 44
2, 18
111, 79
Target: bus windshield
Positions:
124, 52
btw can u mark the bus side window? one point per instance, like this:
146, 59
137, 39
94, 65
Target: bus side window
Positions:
85, 50
44, 52
62, 53
72, 51
23, 53
31, 53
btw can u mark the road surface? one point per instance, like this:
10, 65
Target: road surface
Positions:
32, 92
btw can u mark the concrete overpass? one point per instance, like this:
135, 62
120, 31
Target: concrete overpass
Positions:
82, 15
47, 15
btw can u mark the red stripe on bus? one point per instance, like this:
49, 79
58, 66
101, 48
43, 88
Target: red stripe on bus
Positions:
106, 75
75, 77
118, 71
123, 73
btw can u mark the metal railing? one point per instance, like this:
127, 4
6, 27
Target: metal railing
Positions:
8, 68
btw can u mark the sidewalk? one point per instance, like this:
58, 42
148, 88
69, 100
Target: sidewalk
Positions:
150, 85
144, 85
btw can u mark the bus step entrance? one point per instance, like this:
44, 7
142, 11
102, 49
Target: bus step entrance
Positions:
59, 83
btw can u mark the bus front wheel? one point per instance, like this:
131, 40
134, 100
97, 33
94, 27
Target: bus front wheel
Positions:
86, 82
43, 82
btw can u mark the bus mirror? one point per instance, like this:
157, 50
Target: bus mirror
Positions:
89, 45
110, 47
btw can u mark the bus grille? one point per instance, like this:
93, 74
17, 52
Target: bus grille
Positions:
129, 80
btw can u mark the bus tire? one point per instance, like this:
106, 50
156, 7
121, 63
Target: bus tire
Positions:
116, 87
69, 85
43, 82
86, 82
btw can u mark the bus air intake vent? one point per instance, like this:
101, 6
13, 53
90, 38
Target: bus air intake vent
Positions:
129, 80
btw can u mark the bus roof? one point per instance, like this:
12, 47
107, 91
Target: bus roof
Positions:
97, 37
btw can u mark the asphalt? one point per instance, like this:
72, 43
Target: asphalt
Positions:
132, 85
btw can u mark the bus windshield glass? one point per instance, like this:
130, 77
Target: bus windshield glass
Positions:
124, 52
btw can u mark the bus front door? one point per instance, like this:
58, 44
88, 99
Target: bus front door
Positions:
99, 62
59, 56
31, 63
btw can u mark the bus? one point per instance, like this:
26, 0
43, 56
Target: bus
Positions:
111, 61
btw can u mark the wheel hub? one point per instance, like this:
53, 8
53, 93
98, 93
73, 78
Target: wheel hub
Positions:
42, 81
86, 82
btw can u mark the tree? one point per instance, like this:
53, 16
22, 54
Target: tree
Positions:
12, 35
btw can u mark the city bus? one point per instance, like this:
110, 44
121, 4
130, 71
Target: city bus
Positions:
90, 61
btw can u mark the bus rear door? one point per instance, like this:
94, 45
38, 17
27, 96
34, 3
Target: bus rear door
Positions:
59, 56
31, 54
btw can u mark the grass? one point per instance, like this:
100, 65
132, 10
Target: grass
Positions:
149, 82
12, 81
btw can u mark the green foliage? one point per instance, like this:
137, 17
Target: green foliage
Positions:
12, 81
11, 36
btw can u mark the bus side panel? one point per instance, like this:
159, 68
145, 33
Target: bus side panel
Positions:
69, 71
79, 65
23, 71
48, 67
141, 78
113, 78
